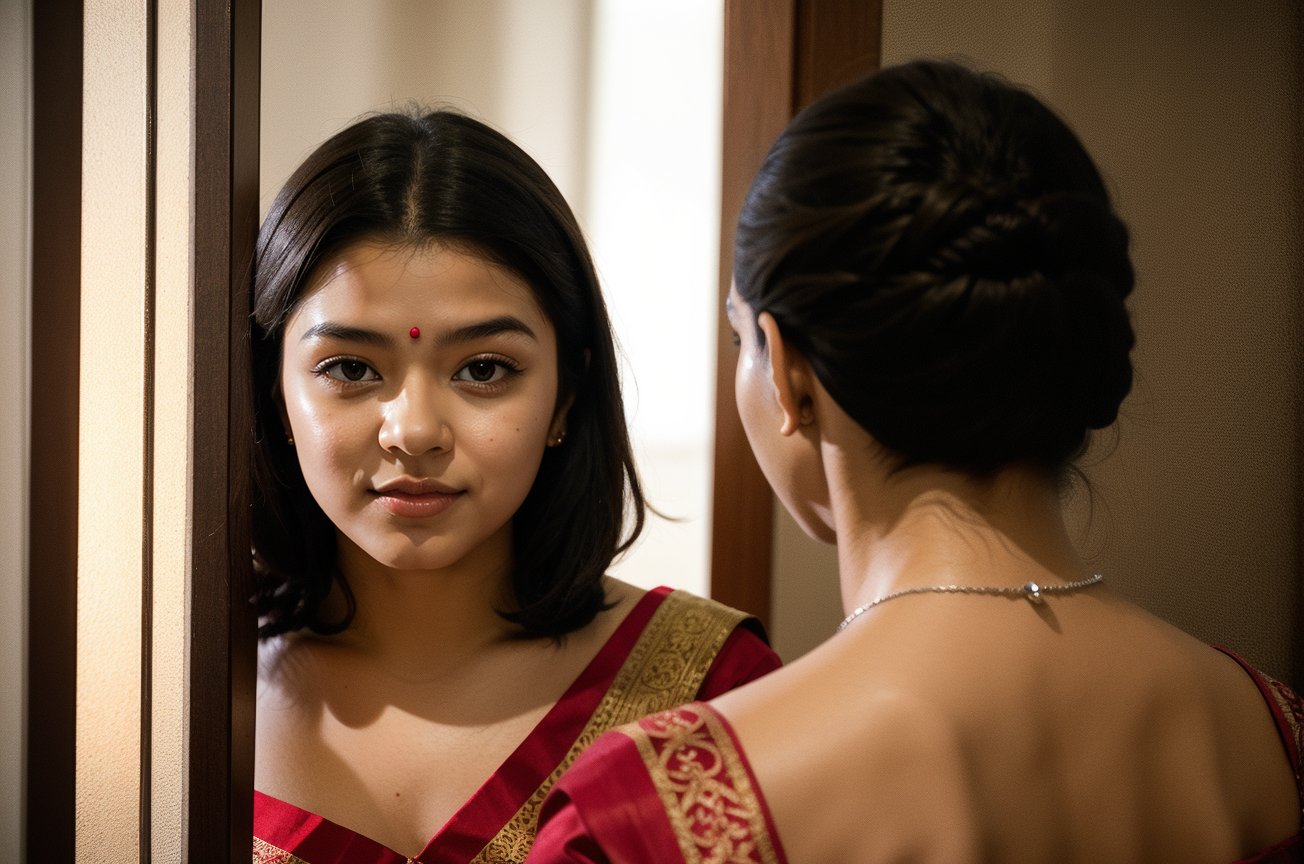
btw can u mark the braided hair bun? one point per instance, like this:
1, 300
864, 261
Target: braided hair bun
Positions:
942, 249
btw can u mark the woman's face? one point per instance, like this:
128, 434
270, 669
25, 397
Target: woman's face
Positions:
791, 463
420, 388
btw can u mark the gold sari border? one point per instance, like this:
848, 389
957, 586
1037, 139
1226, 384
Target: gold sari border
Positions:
266, 853
665, 668
705, 788
1292, 712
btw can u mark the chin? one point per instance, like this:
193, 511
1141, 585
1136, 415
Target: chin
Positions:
403, 553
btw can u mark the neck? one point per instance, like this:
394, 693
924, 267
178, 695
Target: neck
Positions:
417, 623
926, 526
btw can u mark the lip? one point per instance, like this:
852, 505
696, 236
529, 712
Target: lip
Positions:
415, 498
415, 486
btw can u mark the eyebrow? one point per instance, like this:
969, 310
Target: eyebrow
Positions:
344, 333
503, 324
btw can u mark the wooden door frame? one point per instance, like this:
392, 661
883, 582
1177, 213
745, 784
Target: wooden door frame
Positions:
222, 635
55, 341
222, 648
778, 56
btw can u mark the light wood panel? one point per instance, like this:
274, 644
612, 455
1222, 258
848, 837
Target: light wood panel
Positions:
778, 55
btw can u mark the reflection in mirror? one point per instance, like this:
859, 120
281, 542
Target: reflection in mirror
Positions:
394, 698
620, 104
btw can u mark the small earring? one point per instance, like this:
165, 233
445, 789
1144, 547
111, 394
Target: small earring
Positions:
289, 439
556, 440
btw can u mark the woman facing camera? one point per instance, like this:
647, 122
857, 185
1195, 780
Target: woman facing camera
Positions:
929, 302
443, 475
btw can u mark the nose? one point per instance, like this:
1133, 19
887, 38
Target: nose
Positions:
415, 421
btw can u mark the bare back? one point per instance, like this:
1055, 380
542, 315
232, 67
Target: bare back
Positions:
980, 729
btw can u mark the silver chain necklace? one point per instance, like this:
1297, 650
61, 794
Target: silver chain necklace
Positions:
1031, 591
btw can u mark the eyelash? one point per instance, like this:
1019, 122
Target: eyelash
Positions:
510, 370
324, 368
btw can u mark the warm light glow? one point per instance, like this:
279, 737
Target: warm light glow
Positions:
653, 215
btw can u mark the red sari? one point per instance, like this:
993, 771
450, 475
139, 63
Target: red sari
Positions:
676, 787
673, 787
671, 647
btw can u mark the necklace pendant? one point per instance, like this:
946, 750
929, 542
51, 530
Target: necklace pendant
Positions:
1033, 592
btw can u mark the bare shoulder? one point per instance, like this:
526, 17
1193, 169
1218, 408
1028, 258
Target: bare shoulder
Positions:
621, 598
290, 708
823, 746
621, 595
289, 667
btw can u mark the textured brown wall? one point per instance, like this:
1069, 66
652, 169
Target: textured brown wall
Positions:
1192, 110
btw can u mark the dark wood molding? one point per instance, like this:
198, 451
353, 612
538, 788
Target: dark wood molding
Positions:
1295, 25
758, 78
778, 55
836, 42
146, 801
52, 499
222, 647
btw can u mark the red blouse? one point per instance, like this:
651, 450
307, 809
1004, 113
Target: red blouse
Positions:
668, 642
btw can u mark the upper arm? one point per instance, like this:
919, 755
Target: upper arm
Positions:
605, 808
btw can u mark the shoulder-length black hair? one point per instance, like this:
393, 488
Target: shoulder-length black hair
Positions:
942, 249
412, 179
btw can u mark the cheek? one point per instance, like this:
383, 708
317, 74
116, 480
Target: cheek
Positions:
791, 464
327, 436
512, 437
749, 396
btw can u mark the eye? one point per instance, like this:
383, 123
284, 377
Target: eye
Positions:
484, 370
348, 370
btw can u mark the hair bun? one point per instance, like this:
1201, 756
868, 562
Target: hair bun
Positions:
1001, 240
1100, 340
953, 268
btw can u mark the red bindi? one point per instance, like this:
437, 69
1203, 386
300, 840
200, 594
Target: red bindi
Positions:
415, 332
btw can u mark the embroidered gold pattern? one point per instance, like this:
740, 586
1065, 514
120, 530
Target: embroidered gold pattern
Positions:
665, 668
266, 853
704, 787
1293, 710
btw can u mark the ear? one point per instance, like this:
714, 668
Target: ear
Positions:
278, 396
791, 376
557, 428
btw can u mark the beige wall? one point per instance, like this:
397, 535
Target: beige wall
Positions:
114, 519
15, 173
1193, 113
522, 67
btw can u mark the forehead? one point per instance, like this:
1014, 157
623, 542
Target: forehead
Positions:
423, 286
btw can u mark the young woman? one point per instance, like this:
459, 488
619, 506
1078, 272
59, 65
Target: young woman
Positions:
443, 476
929, 303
